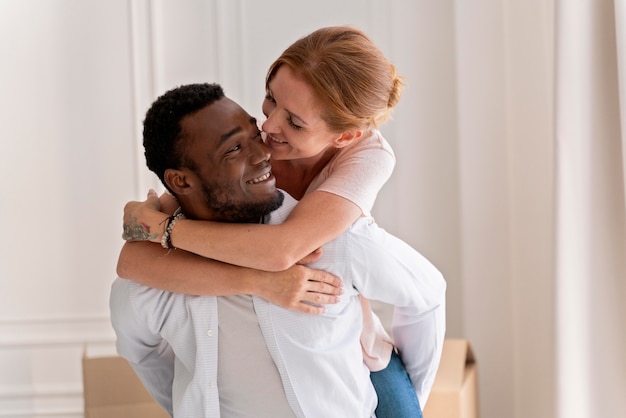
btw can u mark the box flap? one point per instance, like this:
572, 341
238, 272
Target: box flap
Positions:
456, 354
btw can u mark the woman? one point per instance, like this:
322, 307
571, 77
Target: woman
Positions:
326, 96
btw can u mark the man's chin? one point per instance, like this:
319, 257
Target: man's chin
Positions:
271, 204
250, 211
274, 202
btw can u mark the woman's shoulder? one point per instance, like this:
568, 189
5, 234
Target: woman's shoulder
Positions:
372, 140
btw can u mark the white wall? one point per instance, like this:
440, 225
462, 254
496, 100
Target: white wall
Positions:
76, 78
66, 168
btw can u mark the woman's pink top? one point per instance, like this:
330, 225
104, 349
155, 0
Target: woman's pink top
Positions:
358, 172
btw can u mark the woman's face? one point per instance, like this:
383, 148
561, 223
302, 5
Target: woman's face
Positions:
294, 128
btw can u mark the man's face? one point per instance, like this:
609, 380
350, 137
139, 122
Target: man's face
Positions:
230, 163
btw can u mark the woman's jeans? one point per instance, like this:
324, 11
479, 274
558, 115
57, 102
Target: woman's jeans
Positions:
396, 395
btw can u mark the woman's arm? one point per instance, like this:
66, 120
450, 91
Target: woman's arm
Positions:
182, 272
318, 218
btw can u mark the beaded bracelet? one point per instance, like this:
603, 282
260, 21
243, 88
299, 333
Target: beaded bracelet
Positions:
166, 239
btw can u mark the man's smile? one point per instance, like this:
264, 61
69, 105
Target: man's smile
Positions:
260, 179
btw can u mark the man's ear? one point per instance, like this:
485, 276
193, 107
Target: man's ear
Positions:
178, 181
346, 138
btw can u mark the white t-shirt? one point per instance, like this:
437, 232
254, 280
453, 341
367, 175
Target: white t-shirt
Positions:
249, 382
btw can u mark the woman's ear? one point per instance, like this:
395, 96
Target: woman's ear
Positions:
346, 138
177, 180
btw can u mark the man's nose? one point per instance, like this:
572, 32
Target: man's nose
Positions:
260, 153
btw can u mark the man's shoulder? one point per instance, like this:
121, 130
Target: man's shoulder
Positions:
136, 292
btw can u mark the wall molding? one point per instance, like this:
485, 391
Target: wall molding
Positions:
40, 332
143, 44
230, 45
60, 413
36, 340
43, 402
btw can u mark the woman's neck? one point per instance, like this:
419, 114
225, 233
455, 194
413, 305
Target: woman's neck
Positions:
295, 176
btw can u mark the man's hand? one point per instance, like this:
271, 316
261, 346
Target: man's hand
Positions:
301, 289
143, 221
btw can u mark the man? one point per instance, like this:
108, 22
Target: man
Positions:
267, 361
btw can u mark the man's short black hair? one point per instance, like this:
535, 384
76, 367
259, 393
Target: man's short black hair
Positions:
162, 132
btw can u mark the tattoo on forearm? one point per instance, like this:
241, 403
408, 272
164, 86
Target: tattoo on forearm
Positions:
136, 231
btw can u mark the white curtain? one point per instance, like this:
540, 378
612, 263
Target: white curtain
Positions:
590, 100
620, 35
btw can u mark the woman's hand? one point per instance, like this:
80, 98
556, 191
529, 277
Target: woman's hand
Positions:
300, 288
144, 221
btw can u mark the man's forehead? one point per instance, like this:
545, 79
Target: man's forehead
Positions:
221, 120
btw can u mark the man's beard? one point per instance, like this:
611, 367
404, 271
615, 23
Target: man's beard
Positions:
231, 211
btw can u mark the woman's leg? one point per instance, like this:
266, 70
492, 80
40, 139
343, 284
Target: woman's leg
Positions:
396, 395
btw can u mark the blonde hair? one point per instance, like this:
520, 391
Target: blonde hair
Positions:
356, 85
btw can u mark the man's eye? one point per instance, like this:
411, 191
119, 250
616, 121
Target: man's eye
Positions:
233, 149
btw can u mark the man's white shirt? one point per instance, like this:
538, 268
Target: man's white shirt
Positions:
171, 340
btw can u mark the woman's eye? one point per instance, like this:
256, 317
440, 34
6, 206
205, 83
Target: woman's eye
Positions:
293, 125
270, 98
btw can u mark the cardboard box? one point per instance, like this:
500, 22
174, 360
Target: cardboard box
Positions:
455, 391
113, 390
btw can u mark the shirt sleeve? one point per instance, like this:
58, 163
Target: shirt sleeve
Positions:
150, 356
358, 173
387, 269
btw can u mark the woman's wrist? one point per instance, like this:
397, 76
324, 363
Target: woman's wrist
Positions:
166, 238
253, 282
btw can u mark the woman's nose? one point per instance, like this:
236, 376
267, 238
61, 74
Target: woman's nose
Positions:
270, 125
